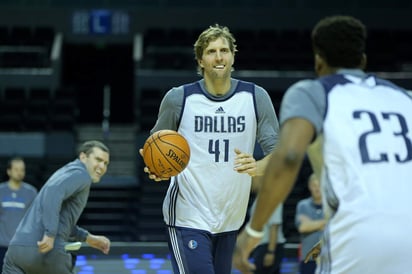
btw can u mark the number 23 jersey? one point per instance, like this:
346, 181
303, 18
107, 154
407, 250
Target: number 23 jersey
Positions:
366, 123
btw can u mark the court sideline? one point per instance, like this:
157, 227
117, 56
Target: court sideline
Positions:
144, 258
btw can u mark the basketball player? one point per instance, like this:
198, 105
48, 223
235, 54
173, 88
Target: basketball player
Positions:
38, 244
366, 123
15, 198
221, 117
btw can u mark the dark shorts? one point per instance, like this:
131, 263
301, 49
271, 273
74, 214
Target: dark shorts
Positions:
28, 260
200, 252
3, 250
307, 268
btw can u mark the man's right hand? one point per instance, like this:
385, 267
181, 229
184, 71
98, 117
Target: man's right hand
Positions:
46, 244
151, 175
313, 252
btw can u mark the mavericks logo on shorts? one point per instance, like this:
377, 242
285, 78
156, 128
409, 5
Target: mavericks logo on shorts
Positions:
192, 244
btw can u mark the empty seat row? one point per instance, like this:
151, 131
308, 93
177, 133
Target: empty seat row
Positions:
26, 36
22, 95
37, 109
271, 49
25, 46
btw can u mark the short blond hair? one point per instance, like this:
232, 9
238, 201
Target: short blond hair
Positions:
209, 35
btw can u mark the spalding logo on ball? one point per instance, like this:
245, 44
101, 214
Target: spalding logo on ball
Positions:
166, 153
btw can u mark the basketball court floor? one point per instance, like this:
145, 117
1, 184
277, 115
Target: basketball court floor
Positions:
140, 258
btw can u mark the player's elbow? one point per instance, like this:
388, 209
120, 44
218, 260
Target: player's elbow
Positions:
292, 158
302, 229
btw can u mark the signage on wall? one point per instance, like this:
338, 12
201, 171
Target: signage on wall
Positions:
100, 22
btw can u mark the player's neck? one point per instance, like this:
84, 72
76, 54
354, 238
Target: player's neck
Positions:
217, 87
317, 201
14, 185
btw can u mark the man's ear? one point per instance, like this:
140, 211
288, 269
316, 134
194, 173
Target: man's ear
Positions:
321, 66
82, 156
200, 63
364, 62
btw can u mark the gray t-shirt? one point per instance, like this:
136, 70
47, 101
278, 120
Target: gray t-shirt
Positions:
307, 99
14, 204
57, 208
275, 219
308, 208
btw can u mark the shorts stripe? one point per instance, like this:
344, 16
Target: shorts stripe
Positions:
172, 207
174, 241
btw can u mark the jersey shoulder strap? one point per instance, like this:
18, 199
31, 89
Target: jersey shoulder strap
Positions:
192, 88
245, 86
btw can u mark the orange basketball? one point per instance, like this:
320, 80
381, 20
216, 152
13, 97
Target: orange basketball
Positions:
166, 153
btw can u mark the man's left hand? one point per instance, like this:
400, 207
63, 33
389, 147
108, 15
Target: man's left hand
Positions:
244, 246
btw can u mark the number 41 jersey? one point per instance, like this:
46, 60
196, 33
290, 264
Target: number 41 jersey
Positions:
209, 194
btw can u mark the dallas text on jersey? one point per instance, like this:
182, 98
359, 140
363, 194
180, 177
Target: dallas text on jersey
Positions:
223, 124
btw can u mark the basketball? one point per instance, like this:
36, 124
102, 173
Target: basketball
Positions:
166, 153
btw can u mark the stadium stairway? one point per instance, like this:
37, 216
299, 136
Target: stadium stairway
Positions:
121, 141
112, 209
150, 225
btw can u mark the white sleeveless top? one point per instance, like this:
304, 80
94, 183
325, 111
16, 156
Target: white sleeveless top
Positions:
370, 185
209, 194
366, 184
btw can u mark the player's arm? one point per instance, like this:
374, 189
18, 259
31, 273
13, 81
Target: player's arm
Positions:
302, 112
169, 110
54, 196
315, 155
314, 252
282, 169
307, 225
267, 136
46, 243
78, 234
53, 199
277, 182
99, 242
261, 165
167, 118
269, 257
246, 163
267, 130
151, 176
273, 237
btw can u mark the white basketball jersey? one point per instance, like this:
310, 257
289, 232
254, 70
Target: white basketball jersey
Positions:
209, 194
367, 176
